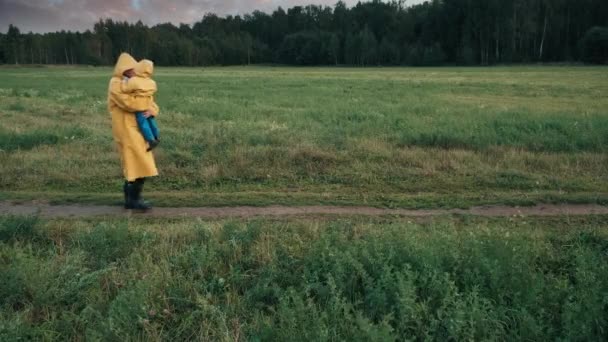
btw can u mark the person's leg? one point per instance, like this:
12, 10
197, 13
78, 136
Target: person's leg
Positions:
125, 189
139, 187
144, 127
133, 191
154, 127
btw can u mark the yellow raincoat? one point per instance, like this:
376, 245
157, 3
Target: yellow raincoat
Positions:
141, 84
136, 161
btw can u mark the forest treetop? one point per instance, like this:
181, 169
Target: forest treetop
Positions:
465, 32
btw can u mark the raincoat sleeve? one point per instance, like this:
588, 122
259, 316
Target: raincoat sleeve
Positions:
127, 102
125, 87
154, 108
138, 84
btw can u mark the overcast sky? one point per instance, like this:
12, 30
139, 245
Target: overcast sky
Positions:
54, 15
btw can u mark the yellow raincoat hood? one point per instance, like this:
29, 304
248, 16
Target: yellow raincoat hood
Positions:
145, 68
124, 63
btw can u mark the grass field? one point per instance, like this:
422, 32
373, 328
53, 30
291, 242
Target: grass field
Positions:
394, 137
304, 280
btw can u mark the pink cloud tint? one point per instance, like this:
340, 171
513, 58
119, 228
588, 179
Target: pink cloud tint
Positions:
54, 15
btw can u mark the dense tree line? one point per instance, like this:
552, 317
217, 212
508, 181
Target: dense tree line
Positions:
466, 32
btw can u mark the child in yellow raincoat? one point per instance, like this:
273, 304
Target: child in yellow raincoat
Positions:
143, 86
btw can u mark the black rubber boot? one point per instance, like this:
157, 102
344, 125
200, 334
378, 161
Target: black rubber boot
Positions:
135, 201
125, 190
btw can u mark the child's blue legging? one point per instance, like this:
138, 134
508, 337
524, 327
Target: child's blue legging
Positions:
147, 126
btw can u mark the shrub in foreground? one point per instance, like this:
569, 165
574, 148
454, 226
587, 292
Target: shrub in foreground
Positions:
341, 280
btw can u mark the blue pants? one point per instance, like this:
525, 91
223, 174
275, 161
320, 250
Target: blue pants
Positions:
147, 126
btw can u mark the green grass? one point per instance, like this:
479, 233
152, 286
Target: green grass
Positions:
318, 135
23, 141
317, 279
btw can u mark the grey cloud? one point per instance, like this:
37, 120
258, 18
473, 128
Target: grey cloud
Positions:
54, 15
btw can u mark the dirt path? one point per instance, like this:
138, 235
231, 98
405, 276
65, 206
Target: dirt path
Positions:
57, 211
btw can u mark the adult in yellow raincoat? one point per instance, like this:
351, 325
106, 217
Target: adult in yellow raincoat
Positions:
137, 163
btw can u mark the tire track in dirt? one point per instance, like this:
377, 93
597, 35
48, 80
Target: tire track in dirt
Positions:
83, 211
